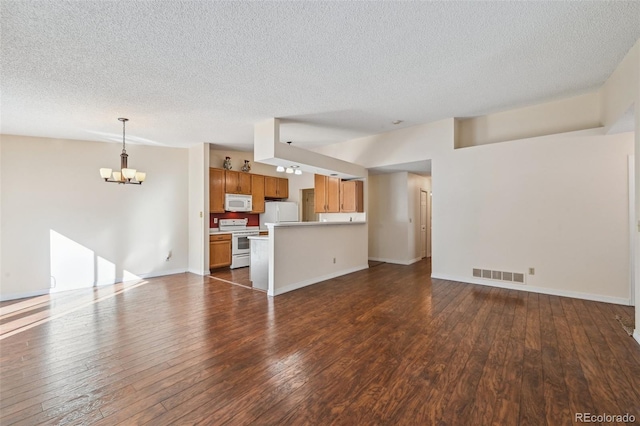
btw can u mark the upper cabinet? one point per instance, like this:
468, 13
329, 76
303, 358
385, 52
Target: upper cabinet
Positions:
327, 194
216, 191
257, 193
258, 186
237, 182
275, 187
351, 196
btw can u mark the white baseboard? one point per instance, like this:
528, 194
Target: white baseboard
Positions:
15, 296
541, 290
195, 271
395, 261
315, 280
164, 273
636, 335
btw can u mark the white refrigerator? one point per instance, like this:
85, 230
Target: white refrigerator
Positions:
279, 211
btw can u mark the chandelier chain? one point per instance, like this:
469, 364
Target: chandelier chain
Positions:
124, 120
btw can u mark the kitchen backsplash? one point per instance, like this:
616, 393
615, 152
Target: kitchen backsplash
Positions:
254, 219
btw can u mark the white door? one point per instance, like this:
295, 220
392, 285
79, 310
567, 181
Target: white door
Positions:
423, 223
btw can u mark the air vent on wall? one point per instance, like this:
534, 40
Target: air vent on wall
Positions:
515, 277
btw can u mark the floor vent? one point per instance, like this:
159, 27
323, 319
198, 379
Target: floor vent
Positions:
515, 277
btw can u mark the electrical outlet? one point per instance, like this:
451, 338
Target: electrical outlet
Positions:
532, 271
215, 220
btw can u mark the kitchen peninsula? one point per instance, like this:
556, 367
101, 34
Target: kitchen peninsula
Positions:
305, 253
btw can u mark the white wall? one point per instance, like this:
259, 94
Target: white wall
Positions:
57, 209
199, 209
557, 203
303, 255
388, 217
407, 145
560, 116
216, 158
621, 88
1, 223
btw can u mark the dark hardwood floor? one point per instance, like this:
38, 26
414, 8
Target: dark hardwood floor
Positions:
387, 345
239, 276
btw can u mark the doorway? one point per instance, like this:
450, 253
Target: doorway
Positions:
308, 206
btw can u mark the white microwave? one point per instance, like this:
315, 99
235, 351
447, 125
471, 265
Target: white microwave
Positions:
237, 203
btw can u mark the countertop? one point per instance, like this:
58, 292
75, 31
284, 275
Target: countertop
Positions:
288, 224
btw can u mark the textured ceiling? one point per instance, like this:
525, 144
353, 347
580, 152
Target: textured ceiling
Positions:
186, 72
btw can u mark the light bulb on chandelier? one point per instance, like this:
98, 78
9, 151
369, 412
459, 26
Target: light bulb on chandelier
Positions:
289, 170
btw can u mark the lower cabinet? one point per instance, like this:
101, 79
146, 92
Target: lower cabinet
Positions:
219, 251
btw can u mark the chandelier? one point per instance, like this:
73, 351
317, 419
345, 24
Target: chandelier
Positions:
125, 175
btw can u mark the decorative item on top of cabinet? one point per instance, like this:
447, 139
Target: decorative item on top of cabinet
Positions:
275, 187
237, 183
351, 196
216, 191
219, 251
257, 193
227, 163
246, 167
327, 194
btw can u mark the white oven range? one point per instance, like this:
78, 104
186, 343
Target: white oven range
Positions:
240, 248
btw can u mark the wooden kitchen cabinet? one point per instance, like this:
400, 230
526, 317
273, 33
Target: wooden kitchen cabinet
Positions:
257, 193
275, 187
219, 251
351, 196
216, 191
237, 182
327, 194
